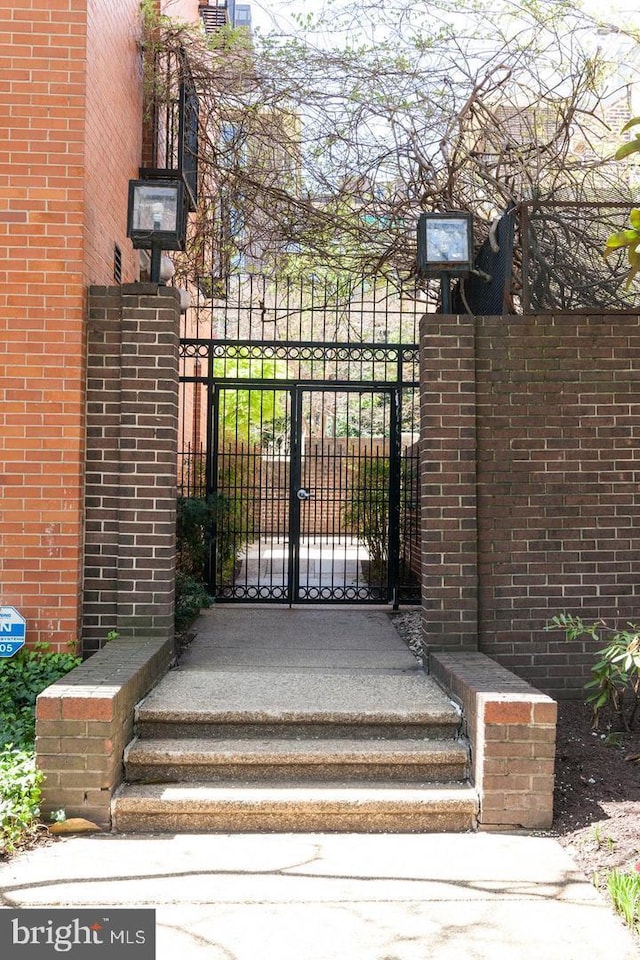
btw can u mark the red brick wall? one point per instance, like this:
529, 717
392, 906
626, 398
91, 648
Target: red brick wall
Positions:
182, 9
42, 102
113, 134
70, 139
549, 500
113, 131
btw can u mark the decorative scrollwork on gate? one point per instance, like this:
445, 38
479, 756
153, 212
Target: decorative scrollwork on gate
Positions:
396, 363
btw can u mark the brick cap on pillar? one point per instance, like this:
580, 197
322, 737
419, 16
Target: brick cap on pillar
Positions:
136, 290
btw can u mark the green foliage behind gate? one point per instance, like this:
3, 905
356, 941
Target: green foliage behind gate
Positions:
227, 512
367, 513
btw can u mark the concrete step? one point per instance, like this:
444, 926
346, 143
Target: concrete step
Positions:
266, 745
294, 808
180, 760
291, 727
298, 705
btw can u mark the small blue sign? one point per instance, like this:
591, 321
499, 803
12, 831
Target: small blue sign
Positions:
13, 630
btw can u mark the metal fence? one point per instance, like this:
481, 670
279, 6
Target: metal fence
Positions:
300, 420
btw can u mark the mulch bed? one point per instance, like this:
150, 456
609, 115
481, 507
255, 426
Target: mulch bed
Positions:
597, 793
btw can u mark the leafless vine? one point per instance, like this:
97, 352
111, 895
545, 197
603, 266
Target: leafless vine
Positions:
315, 152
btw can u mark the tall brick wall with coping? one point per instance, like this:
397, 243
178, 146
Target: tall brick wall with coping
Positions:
530, 470
131, 481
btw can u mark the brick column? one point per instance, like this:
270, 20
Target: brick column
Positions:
131, 478
448, 483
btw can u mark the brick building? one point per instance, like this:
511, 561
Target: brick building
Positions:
71, 132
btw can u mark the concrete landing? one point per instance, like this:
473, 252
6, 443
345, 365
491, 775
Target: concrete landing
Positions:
276, 662
316, 637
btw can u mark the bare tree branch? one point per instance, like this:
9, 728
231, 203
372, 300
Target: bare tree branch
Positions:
320, 154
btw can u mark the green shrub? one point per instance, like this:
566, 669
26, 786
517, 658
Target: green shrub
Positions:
22, 678
196, 518
19, 797
191, 598
367, 512
616, 672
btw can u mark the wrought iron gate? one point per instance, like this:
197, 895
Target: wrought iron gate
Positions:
308, 448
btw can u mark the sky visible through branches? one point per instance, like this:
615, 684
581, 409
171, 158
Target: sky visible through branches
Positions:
346, 120
278, 15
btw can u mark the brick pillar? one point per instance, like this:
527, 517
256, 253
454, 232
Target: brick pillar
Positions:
448, 483
131, 477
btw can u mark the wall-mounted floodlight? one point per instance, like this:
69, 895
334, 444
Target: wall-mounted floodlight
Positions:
445, 248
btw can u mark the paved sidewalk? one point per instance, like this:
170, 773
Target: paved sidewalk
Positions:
334, 897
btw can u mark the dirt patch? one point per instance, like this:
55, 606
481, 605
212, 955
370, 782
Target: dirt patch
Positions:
597, 792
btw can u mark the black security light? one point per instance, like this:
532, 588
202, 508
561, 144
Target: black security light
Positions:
445, 248
156, 218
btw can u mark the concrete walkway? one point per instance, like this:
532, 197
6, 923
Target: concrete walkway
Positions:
473, 896
334, 897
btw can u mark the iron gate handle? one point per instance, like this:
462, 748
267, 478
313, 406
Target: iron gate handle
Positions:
303, 494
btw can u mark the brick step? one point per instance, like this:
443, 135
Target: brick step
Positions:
294, 807
180, 760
